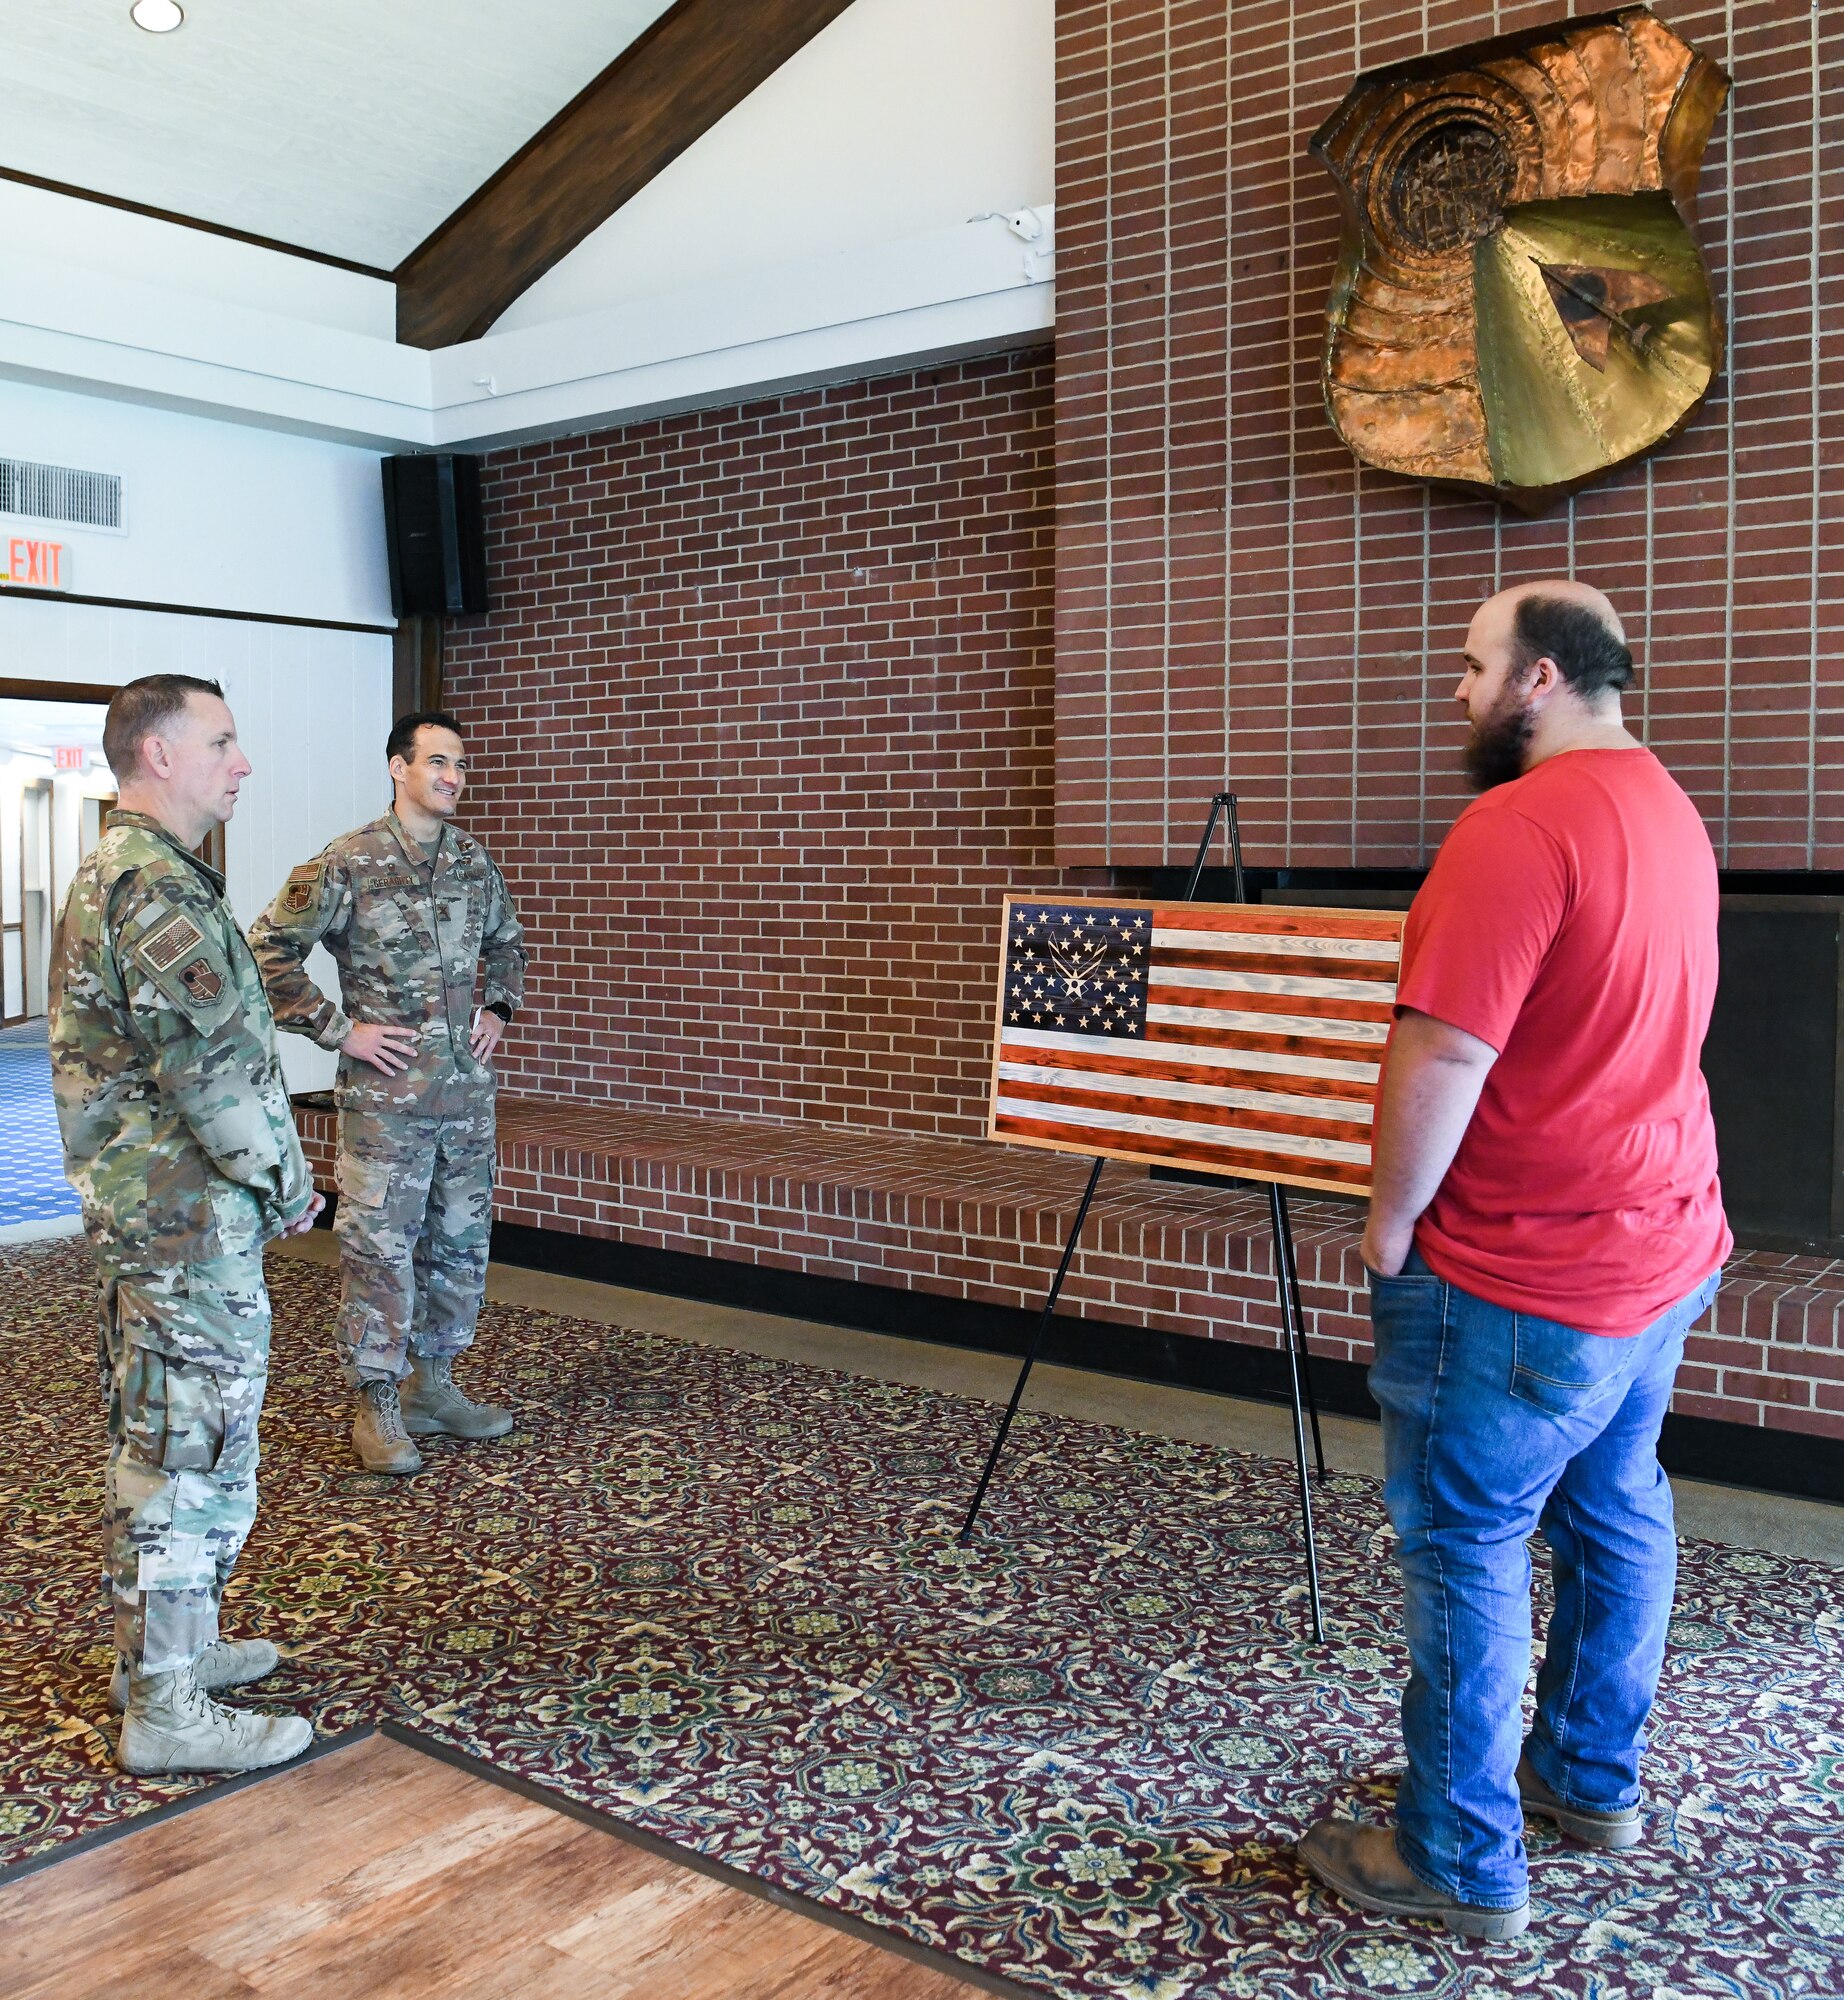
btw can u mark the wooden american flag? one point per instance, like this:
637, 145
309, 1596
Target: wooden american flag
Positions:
1240, 1038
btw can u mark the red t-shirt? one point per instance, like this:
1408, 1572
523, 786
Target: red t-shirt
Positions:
1570, 921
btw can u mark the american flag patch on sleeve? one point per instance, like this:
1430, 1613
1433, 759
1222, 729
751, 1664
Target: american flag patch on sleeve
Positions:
167, 941
1243, 1039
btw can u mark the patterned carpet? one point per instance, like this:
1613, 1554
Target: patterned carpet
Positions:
719, 1596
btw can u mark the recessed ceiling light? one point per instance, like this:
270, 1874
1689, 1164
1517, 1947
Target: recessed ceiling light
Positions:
158, 17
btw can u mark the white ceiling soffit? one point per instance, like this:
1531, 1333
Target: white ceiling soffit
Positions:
351, 127
980, 287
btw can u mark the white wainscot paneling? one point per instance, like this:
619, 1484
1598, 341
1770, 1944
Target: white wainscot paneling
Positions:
313, 708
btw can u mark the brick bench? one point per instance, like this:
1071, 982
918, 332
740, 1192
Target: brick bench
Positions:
967, 1220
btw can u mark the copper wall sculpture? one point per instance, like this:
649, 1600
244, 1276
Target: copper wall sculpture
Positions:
1519, 304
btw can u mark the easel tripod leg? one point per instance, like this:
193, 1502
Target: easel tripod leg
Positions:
1030, 1353
1297, 1319
1286, 1284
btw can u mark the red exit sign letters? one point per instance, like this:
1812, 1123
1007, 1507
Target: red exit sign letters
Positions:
33, 565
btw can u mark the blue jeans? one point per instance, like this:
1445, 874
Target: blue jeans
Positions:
1495, 1424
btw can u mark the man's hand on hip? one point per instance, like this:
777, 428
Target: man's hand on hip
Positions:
488, 1027
386, 1048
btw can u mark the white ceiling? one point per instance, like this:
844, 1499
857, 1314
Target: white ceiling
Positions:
348, 126
41, 726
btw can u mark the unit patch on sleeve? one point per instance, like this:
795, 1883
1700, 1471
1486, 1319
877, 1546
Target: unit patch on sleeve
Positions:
166, 942
202, 980
302, 889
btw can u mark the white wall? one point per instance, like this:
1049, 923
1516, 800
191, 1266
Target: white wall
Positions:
313, 708
978, 288
219, 515
900, 117
67, 791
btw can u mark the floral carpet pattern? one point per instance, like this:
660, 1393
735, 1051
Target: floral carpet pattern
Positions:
720, 1597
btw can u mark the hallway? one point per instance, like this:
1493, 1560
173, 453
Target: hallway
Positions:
35, 1198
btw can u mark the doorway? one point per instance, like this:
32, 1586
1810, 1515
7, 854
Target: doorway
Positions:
56, 793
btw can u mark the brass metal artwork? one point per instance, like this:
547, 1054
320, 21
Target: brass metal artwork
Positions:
1519, 304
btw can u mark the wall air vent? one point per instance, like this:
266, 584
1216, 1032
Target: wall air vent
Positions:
62, 493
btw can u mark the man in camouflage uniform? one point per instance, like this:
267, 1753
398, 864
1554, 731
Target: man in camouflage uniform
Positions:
178, 1136
408, 907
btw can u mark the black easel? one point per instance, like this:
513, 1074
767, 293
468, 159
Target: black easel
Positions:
1286, 1280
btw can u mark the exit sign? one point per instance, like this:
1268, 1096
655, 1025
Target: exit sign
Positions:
33, 565
67, 757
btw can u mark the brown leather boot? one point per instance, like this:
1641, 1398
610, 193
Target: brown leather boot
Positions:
1361, 1864
1612, 1832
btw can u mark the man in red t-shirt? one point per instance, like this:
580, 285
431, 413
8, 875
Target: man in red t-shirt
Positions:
1545, 1227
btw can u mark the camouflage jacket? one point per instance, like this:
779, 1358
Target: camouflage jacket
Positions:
176, 1125
408, 935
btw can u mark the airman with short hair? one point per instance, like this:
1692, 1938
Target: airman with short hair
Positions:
178, 1136
410, 908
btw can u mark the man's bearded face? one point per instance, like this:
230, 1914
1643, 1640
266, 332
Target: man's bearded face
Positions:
1500, 739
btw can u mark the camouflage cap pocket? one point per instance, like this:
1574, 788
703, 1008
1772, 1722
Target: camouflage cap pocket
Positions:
195, 1428
367, 1182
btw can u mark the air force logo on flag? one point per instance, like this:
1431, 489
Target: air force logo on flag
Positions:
1081, 970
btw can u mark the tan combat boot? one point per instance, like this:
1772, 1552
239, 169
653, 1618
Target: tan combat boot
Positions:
171, 1724
225, 1663
378, 1435
434, 1407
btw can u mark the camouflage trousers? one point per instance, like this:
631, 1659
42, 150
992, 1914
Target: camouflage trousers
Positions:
183, 1356
415, 1218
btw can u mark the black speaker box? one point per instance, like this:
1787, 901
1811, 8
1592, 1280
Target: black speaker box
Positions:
432, 535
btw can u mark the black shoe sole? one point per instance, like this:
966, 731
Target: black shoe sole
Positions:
1610, 1836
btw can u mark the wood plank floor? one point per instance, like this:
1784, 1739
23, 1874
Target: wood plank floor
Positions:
379, 1872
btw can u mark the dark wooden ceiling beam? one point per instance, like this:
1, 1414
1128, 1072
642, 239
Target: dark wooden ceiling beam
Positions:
699, 60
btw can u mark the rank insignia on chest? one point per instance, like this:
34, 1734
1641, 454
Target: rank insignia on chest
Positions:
167, 941
201, 980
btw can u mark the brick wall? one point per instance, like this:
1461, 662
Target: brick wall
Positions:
763, 727
762, 731
952, 1221
1207, 512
